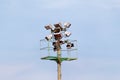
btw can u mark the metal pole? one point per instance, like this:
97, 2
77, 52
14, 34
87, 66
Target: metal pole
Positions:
59, 64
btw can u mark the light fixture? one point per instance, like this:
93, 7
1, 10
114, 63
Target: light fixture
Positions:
47, 27
61, 42
69, 45
48, 37
58, 25
67, 24
54, 43
56, 46
55, 49
67, 34
57, 30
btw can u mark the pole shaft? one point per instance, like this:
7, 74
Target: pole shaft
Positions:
59, 64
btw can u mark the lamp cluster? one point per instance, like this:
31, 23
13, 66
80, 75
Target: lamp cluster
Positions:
57, 33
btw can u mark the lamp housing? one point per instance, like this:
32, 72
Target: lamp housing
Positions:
67, 34
58, 25
49, 37
69, 45
47, 27
57, 30
67, 24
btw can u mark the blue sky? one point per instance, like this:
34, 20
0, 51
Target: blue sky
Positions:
95, 24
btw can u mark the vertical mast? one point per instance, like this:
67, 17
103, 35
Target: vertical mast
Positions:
59, 64
57, 33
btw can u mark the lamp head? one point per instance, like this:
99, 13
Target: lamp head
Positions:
47, 27
67, 24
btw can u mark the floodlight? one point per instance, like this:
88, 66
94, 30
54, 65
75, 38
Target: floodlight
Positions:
69, 45
48, 27
57, 30
72, 45
56, 46
55, 49
48, 37
57, 36
54, 43
67, 34
61, 42
58, 25
67, 25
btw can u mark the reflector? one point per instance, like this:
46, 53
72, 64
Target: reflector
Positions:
72, 45
69, 45
67, 24
54, 43
48, 37
57, 30
67, 34
56, 46
55, 49
58, 25
61, 42
48, 27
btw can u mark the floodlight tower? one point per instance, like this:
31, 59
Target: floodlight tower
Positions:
58, 32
